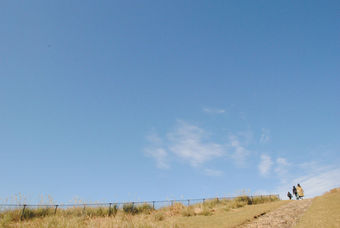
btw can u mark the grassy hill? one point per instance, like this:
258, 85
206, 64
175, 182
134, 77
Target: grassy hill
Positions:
213, 213
324, 211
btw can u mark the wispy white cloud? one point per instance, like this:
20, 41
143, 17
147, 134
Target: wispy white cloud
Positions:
315, 178
191, 144
194, 146
265, 164
156, 151
319, 183
265, 136
281, 167
160, 155
213, 172
239, 150
214, 110
316, 182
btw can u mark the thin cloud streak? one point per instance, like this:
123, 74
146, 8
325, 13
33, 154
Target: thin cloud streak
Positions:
192, 145
160, 155
213, 110
315, 183
187, 143
265, 165
239, 151
320, 183
156, 151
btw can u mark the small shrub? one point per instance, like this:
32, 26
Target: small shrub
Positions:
114, 209
28, 214
130, 208
244, 200
145, 208
211, 203
264, 199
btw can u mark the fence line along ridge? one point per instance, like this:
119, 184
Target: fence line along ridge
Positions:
197, 200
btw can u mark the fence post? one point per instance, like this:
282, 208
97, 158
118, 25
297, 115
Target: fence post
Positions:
153, 205
23, 212
203, 200
172, 202
188, 202
55, 210
110, 209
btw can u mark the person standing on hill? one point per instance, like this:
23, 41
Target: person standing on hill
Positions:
295, 193
300, 191
289, 195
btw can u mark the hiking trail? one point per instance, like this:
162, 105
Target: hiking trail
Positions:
285, 216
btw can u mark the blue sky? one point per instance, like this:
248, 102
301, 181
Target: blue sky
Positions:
149, 100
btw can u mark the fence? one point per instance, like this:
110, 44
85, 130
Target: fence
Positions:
120, 205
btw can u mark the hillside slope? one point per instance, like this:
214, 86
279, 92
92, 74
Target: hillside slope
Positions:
214, 213
324, 212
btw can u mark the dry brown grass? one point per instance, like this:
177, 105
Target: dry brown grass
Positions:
227, 217
221, 213
324, 212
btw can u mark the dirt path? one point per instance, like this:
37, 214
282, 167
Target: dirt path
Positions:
285, 216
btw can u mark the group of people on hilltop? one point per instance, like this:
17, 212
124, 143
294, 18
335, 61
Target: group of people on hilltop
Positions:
297, 191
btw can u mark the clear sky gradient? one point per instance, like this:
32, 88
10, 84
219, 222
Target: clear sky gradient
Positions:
149, 100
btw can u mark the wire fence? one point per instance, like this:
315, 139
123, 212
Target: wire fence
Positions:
119, 205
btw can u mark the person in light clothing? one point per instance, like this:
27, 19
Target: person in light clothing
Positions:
300, 191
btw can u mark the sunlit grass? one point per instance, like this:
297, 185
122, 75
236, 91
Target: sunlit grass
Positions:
324, 211
212, 212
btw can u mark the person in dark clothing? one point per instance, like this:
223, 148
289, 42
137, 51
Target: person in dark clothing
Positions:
295, 193
289, 195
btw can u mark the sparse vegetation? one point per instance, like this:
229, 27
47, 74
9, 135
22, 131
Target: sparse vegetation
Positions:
130, 208
130, 215
145, 208
113, 210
